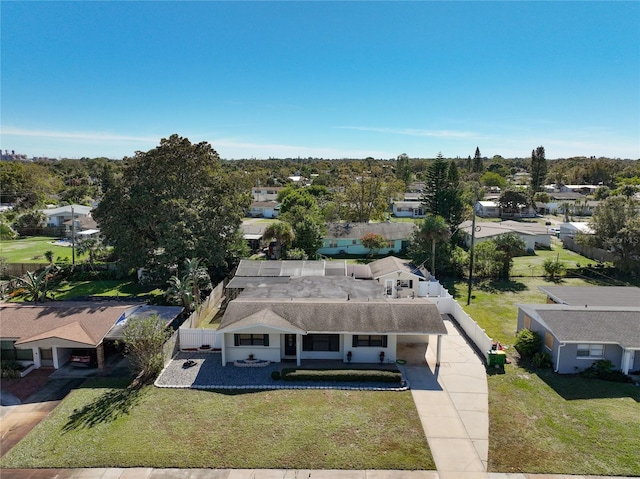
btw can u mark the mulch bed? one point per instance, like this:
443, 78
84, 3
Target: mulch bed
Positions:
24, 387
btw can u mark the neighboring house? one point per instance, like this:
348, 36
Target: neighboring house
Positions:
401, 279
581, 325
408, 209
315, 317
572, 229
265, 193
264, 209
345, 238
48, 334
61, 217
252, 234
487, 209
531, 233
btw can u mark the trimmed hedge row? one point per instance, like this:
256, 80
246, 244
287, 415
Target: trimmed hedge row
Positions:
342, 375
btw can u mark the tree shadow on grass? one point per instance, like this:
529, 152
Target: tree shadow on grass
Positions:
106, 408
502, 286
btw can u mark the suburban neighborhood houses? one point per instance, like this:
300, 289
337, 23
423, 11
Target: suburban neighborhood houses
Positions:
377, 298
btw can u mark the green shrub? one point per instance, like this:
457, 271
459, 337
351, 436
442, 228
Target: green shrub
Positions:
528, 342
542, 360
275, 375
342, 375
605, 370
553, 268
10, 369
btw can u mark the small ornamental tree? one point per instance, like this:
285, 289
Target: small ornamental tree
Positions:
373, 242
528, 342
553, 268
143, 340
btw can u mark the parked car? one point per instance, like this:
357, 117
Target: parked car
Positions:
83, 359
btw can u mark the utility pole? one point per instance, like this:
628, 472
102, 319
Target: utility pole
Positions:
473, 239
73, 238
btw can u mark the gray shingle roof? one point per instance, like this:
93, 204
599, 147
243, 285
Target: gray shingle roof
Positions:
391, 264
383, 316
592, 325
594, 295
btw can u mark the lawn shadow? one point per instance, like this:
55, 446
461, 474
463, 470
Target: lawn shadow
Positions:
509, 286
573, 386
106, 408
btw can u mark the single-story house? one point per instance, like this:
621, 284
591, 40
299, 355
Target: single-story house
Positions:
264, 209
317, 317
346, 238
580, 325
572, 229
531, 233
47, 334
487, 209
408, 209
252, 234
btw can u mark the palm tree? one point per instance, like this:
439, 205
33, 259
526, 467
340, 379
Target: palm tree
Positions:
38, 287
283, 235
181, 291
187, 290
434, 228
91, 246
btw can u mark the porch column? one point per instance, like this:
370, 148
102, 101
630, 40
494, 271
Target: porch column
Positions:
223, 352
438, 349
54, 353
100, 355
37, 362
626, 361
298, 348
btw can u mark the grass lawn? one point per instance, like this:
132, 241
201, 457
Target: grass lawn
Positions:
542, 422
32, 249
105, 288
101, 425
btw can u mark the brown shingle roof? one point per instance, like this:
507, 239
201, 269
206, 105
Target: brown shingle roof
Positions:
85, 323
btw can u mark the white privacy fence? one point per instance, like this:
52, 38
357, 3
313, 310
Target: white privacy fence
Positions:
196, 338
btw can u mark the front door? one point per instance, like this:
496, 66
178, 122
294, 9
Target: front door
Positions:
289, 344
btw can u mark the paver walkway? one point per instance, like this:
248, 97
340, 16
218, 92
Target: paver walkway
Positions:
453, 405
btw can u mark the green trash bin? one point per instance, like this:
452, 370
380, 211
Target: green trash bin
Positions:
496, 358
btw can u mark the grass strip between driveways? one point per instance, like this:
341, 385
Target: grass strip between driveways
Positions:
102, 425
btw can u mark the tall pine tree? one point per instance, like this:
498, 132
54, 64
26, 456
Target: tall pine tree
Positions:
538, 169
478, 167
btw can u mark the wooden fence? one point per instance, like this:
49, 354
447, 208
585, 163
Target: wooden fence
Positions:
595, 254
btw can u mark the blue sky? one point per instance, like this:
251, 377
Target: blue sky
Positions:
322, 79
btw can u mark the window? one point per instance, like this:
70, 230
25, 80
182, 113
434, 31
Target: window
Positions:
391, 244
526, 321
590, 351
321, 342
251, 340
332, 243
369, 341
404, 283
548, 340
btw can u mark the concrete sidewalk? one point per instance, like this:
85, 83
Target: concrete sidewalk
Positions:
453, 405
148, 473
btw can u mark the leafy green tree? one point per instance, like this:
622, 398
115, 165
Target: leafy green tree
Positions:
488, 260
282, 233
403, 169
175, 202
367, 196
30, 223
189, 289
297, 254
510, 245
450, 259
374, 242
493, 179
37, 287
538, 169
143, 340
308, 234
602, 193
616, 227
511, 201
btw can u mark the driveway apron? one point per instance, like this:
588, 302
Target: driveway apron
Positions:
453, 405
